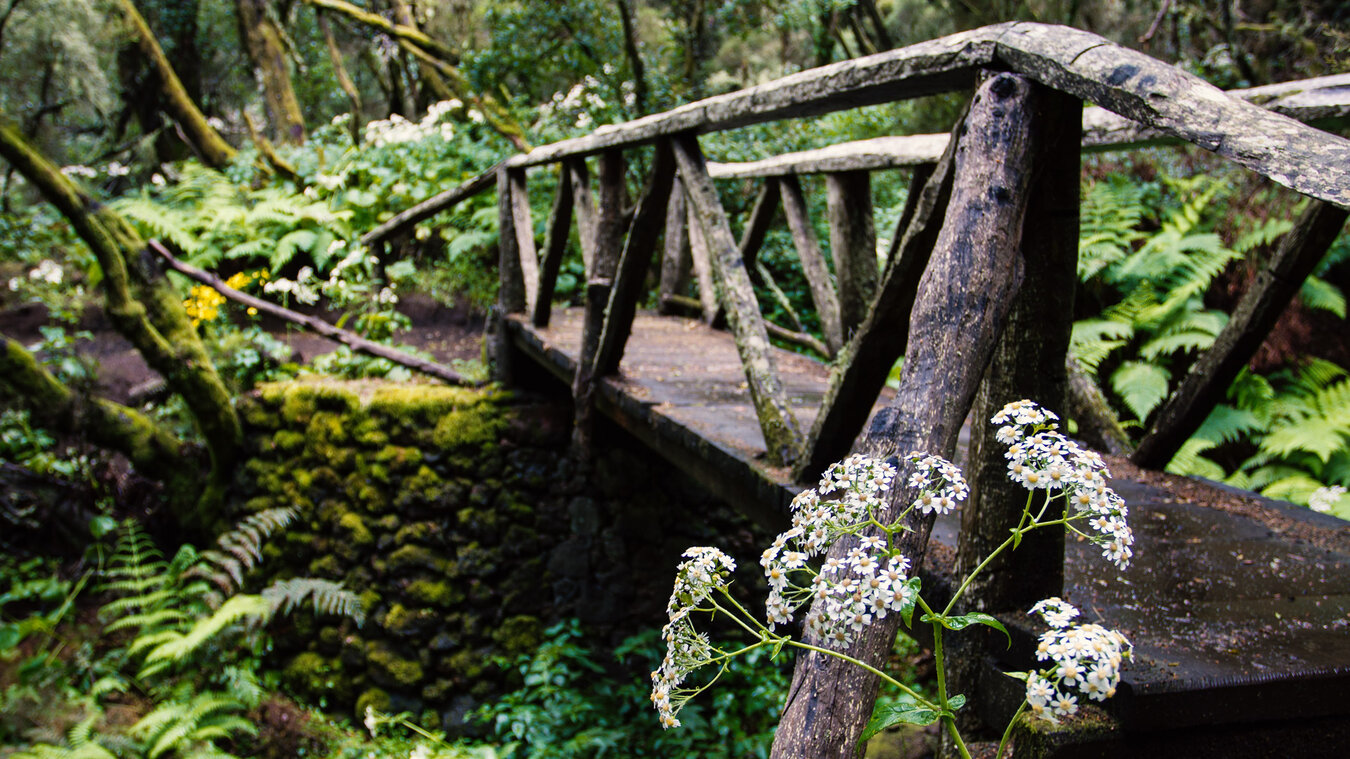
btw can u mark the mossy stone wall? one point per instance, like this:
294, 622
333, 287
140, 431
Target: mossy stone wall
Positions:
468, 529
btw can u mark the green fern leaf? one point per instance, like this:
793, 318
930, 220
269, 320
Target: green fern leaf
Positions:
1141, 386
1319, 294
240, 608
328, 597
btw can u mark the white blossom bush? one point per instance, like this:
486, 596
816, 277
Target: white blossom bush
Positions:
1067, 487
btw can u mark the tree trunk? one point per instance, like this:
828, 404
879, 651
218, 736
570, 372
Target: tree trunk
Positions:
267, 50
964, 295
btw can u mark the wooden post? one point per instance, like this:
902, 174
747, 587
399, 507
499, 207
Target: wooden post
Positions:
599, 281
813, 263
853, 244
963, 296
761, 216
583, 203
634, 261
559, 227
1256, 313
511, 293
861, 369
524, 230
675, 261
701, 258
782, 436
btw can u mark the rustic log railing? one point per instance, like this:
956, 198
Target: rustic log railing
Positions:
967, 291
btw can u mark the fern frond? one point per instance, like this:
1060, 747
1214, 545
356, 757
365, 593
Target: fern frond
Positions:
1141, 386
329, 597
1190, 461
236, 609
148, 620
1319, 294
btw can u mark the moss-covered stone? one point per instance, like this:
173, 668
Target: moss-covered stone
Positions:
311, 675
422, 533
472, 427
409, 623
288, 441
410, 558
391, 670
374, 698
353, 529
519, 635
466, 665
434, 593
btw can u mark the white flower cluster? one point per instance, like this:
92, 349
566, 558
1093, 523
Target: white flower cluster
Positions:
49, 271
1322, 499
1084, 658
872, 580
707, 570
1040, 458
396, 129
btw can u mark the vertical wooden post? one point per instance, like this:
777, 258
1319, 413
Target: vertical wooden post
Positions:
634, 261
813, 263
559, 227
675, 261
511, 293
1256, 313
761, 216
965, 292
861, 368
599, 281
918, 180
782, 436
701, 257
853, 243
523, 225
584, 203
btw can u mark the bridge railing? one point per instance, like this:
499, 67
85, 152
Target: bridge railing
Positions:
978, 302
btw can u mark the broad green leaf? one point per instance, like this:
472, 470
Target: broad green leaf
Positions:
966, 620
907, 610
1142, 386
895, 714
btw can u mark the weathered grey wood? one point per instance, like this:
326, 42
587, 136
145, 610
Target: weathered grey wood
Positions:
782, 435
1180, 104
433, 205
894, 152
918, 179
761, 217
312, 323
523, 224
511, 293
813, 262
853, 244
583, 203
675, 260
964, 295
939, 65
1256, 313
861, 368
559, 227
803, 339
762, 277
701, 257
599, 284
636, 258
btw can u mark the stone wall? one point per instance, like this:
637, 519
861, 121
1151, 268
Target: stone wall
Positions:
468, 529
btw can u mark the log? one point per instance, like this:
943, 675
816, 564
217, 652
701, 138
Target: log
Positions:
701, 258
761, 217
853, 244
559, 227
511, 292
1301, 249
314, 324
813, 262
584, 205
963, 296
782, 435
861, 368
599, 283
895, 152
433, 205
675, 260
634, 262
523, 225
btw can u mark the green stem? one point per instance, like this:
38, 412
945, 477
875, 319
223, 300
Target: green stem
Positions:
858, 662
970, 577
1007, 731
939, 662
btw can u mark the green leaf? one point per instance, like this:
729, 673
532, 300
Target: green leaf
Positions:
907, 611
895, 714
966, 620
1142, 386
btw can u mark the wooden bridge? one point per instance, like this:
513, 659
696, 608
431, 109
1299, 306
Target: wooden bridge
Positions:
1240, 613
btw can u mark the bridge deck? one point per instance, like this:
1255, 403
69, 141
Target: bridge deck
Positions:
1239, 607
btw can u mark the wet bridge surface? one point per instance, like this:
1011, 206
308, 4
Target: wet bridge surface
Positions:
1238, 607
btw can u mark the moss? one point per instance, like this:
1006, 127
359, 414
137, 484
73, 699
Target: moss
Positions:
518, 635
477, 427
374, 698
465, 664
354, 529
417, 532
429, 402
434, 593
288, 441
391, 670
326, 566
439, 691
411, 557
328, 427
311, 674
370, 598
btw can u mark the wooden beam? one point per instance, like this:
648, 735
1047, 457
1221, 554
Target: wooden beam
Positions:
813, 262
523, 224
761, 217
559, 227
675, 260
584, 204
782, 435
433, 205
511, 292
1256, 313
599, 283
963, 297
701, 257
853, 244
636, 258
895, 152
862, 367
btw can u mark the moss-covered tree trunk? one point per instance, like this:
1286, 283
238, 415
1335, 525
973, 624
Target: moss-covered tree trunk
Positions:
144, 308
267, 50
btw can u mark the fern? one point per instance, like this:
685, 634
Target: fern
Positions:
328, 597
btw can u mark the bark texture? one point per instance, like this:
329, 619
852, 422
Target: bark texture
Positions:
266, 48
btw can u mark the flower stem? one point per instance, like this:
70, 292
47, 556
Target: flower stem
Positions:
858, 662
1007, 732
